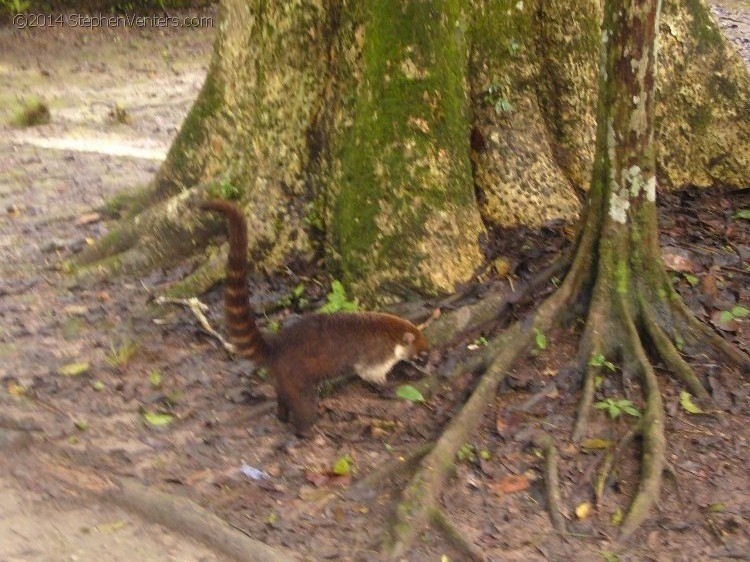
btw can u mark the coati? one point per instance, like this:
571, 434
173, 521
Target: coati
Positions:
317, 347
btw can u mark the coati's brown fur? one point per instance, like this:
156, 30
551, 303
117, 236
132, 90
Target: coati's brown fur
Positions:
317, 347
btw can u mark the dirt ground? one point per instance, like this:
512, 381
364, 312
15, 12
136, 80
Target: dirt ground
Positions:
83, 367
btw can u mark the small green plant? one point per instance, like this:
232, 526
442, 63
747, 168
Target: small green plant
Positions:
599, 360
615, 408
155, 378
227, 190
120, 355
540, 342
295, 298
481, 340
497, 95
743, 214
692, 279
735, 313
467, 453
337, 301
32, 113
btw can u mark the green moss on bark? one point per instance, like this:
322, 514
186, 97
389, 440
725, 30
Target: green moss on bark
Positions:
187, 158
405, 213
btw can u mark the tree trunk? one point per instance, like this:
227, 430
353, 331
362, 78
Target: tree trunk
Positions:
616, 275
388, 137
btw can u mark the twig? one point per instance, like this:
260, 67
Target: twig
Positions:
198, 309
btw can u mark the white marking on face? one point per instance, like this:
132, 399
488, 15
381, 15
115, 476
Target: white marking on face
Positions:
376, 372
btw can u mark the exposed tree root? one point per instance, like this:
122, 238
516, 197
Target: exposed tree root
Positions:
593, 352
588, 389
611, 334
420, 496
669, 354
609, 462
184, 516
389, 470
699, 330
654, 442
455, 537
168, 231
492, 308
172, 511
209, 273
175, 230
552, 481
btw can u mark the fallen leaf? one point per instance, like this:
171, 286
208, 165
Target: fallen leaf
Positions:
596, 443
502, 267
408, 392
317, 479
583, 510
511, 484
499, 425
16, 390
725, 322
740, 312
73, 369
342, 466
686, 401
676, 259
157, 420
110, 527
88, 218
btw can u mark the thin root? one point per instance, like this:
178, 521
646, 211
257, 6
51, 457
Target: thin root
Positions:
208, 274
552, 481
389, 470
654, 442
610, 459
719, 344
455, 537
669, 354
584, 406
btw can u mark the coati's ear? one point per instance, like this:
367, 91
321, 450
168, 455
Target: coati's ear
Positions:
409, 337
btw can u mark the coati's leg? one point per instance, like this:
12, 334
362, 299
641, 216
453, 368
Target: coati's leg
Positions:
304, 410
282, 410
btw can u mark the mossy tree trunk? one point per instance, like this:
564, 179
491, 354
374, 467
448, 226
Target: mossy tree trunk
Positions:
388, 137
616, 275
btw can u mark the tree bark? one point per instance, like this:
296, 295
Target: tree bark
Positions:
389, 137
